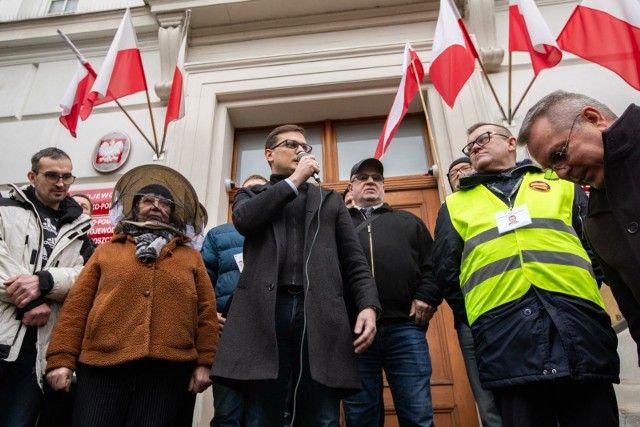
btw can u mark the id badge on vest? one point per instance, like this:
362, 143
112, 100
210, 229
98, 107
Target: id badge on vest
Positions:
513, 218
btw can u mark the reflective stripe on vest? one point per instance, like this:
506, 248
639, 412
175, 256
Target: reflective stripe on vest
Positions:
496, 269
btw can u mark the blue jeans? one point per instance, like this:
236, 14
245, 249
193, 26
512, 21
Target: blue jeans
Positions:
228, 406
20, 395
484, 398
402, 351
265, 401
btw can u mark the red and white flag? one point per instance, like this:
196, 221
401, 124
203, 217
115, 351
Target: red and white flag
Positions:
74, 97
175, 108
409, 86
121, 73
606, 32
529, 33
453, 53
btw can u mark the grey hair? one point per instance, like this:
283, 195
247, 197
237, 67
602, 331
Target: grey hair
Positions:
561, 109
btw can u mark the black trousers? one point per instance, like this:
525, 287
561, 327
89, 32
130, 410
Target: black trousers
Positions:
559, 403
147, 392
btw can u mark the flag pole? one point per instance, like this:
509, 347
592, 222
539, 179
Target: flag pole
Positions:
185, 28
510, 116
524, 94
153, 124
493, 91
432, 142
84, 61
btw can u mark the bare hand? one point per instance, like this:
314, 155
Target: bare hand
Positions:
23, 288
37, 316
60, 379
422, 311
199, 379
221, 321
307, 166
366, 329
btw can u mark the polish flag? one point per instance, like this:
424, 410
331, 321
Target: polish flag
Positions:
121, 73
453, 53
529, 33
74, 97
409, 86
175, 108
606, 32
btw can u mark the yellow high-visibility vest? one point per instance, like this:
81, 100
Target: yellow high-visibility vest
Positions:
499, 268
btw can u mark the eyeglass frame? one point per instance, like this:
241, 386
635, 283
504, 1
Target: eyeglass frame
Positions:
466, 150
156, 199
49, 175
356, 177
293, 144
459, 171
563, 154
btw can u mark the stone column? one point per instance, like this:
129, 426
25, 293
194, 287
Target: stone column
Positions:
169, 38
480, 14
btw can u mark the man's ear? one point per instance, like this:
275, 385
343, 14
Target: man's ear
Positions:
350, 187
32, 176
268, 154
595, 117
512, 143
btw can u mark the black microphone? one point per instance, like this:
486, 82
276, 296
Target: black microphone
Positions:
300, 156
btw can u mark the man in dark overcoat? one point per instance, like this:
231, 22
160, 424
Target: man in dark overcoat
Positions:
583, 141
289, 317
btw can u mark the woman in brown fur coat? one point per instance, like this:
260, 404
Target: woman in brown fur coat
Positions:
139, 325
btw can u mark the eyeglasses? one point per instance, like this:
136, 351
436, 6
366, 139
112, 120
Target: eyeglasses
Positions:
482, 140
151, 200
560, 158
364, 177
53, 178
465, 170
290, 143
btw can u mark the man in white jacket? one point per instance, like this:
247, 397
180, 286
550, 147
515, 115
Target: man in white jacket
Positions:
41, 231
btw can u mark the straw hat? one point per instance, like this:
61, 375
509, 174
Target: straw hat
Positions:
188, 216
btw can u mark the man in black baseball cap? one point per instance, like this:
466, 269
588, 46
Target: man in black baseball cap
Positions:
377, 164
398, 248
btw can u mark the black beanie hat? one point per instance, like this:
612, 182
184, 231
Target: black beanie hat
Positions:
464, 159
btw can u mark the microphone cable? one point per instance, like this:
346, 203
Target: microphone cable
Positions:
304, 314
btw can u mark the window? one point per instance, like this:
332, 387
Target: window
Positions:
59, 7
341, 144
251, 159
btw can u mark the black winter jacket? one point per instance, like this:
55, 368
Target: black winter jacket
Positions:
402, 260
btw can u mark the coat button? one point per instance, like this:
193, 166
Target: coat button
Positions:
271, 287
146, 293
632, 228
527, 311
545, 372
554, 371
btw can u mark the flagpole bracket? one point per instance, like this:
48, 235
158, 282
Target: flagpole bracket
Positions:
158, 157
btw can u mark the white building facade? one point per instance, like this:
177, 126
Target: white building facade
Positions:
332, 66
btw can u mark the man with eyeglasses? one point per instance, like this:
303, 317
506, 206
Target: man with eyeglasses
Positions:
41, 234
289, 318
585, 142
457, 169
397, 245
544, 343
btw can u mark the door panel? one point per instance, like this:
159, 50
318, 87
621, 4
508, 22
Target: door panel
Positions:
453, 400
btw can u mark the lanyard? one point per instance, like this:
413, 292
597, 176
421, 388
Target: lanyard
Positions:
513, 191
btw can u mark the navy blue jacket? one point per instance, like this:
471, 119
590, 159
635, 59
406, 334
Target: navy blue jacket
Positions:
220, 245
